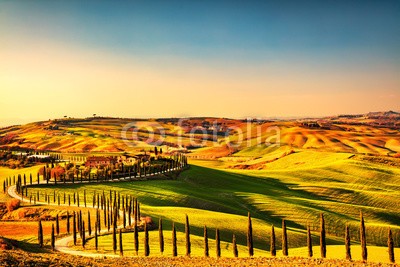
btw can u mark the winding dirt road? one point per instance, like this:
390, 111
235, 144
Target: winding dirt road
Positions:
61, 244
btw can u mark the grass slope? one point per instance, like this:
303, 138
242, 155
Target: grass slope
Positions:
337, 186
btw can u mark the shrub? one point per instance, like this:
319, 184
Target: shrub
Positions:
13, 204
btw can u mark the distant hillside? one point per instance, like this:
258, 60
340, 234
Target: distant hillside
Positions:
372, 133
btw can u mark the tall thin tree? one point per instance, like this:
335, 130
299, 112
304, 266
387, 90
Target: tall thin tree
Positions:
96, 238
250, 236
114, 237
136, 237
364, 252
83, 234
273, 242
121, 248
89, 224
53, 238
40, 233
74, 228
68, 223
322, 240
161, 236
146, 241
217, 243
174, 247
124, 217
309, 242
347, 242
390, 246
206, 248
234, 247
187, 236
284, 239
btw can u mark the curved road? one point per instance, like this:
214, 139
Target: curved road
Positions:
61, 244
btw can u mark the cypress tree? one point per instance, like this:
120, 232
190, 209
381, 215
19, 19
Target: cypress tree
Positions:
121, 249
284, 239
136, 237
68, 229
80, 219
217, 243
52, 237
124, 218
89, 224
135, 209
187, 236
234, 246
347, 242
206, 252
109, 220
390, 246
40, 233
309, 242
250, 236
273, 242
161, 236
57, 225
98, 226
105, 212
146, 241
74, 228
114, 237
174, 248
96, 239
83, 234
129, 214
364, 252
322, 240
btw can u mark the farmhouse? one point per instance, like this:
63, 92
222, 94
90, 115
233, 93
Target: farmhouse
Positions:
94, 161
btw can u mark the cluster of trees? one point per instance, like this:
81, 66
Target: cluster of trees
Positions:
15, 161
109, 210
19, 159
141, 168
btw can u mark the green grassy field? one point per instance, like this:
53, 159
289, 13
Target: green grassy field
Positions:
7, 172
331, 183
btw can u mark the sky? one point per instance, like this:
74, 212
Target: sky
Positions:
197, 58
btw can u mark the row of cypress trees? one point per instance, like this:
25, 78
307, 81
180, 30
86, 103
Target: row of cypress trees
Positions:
250, 240
79, 226
177, 161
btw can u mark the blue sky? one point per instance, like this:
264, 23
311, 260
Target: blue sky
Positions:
242, 42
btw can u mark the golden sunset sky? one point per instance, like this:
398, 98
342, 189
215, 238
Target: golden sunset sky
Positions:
229, 59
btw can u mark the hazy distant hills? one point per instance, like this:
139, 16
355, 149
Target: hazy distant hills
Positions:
371, 133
